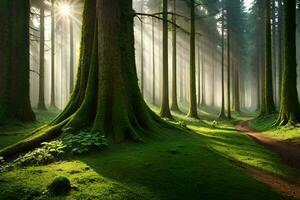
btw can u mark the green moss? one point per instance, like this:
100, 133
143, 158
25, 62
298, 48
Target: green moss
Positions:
171, 165
266, 125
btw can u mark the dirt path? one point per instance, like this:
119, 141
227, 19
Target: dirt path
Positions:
290, 154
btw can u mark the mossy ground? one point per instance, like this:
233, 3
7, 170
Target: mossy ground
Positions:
203, 163
266, 125
15, 131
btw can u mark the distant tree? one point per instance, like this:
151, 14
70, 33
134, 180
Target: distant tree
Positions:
193, 98
41, 103
174, 105
71, 27
289, 106
14, 61
222, 112
52, 98
165, 109
268, 106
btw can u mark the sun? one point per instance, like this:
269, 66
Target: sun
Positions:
64, 9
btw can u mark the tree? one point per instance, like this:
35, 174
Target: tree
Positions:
52, 99
174, 105
153, 62
41, 104
228, 73
14, 61
289, 105
142, 49
280, 44
165, 109
222, 112
268, 106
120, 110
71, 55
193, 98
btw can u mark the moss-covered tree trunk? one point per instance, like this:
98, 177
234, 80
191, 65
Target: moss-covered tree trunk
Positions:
14, 61
165, 105
174, 105
193, 98
268, 106
106, 80
289, 106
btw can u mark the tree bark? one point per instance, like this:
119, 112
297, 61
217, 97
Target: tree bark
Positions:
41, 104
268, 106
71, 55
153, 62
14, 61
174, 105
228, 74
165, 109
289, 106
52, 99
222, 112
193, 98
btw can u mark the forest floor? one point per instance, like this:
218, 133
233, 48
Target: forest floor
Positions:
212, 160
289, 153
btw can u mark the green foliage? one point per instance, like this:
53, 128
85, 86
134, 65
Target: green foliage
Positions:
48, 153
84, 142
60, 186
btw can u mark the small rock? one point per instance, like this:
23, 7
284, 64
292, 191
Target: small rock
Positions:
60, 186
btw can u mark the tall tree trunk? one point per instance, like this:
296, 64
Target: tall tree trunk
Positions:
71, 55
274, 50
14, 61
199, 72
41, 104
52, 98
280, 44
120, 109
142, 50
289, 106
222, 112
213, 76
236, 96
165, 109
193, 98
153, 62
228, 73
203, 94
174, 105
268, 106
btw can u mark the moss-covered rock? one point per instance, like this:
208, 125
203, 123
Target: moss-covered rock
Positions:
60, 186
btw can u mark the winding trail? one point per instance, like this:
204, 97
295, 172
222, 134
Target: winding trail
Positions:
289, 152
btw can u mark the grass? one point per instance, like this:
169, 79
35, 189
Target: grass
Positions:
265, 124
203, 163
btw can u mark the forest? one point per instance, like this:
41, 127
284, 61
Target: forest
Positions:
149, 99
